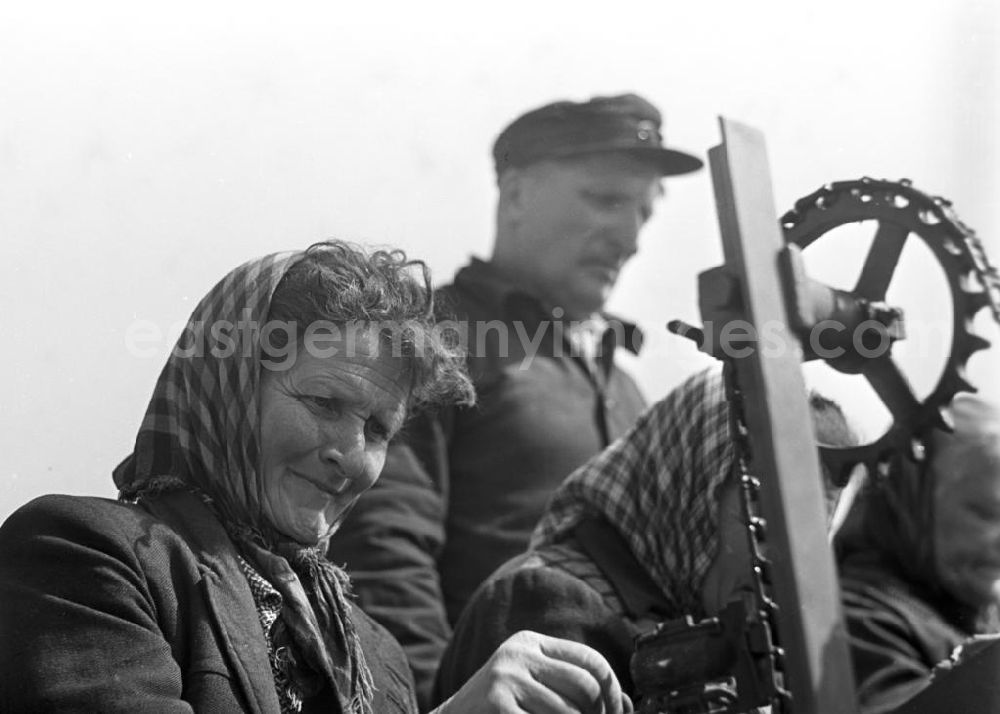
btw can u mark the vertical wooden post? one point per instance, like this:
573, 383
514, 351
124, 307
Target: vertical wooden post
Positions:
785, 457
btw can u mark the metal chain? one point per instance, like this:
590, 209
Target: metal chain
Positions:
768, 645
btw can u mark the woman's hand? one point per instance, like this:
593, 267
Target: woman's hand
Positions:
538, 674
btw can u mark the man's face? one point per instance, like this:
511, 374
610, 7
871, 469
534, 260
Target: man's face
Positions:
967, 521
577, 223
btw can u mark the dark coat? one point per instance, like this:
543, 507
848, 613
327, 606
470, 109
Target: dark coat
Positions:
110, 607
900, 619
462, 491
899, 630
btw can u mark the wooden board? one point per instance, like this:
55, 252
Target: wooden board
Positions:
785, 457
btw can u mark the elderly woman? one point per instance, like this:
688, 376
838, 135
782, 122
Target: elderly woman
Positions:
649, 530
919, 559
205, 586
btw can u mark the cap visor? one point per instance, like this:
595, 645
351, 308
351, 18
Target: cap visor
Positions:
670, 162
673, 162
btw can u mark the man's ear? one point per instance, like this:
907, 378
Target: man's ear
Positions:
512, 193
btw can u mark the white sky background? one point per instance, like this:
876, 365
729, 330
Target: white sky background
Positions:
144, 154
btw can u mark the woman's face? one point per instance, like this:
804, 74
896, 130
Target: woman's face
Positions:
325, 423
967, 521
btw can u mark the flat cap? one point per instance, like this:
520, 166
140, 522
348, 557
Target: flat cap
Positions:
625, 122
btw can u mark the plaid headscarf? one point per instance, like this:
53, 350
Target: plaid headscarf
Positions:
658, 485
201, 432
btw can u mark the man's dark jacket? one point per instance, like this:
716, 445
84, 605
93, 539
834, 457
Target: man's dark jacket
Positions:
114, 607
464, 487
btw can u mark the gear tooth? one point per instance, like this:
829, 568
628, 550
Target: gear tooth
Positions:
976, 301
954, 382
963, 257
790, 219
943, 421
961, 384
977, 343
968, 345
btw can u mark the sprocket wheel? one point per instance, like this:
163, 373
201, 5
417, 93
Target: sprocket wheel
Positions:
902, 211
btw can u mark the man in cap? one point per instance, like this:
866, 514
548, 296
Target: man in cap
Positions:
463, 489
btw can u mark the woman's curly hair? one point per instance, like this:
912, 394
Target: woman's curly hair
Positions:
340, 283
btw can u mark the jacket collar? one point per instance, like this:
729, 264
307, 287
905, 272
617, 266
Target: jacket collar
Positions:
228, 594
498, 290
